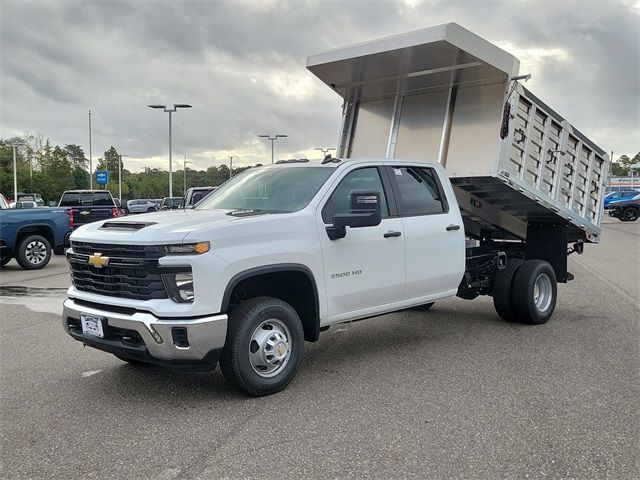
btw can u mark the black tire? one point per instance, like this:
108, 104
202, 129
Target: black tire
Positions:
630, 214
503, 290
249, 320
424, 307
34, 252
4, 261
150, 209
528, 308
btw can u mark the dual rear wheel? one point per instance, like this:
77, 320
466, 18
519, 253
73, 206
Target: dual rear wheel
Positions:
525, 291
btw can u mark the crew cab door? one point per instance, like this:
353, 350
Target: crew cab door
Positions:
365, 269
433, 230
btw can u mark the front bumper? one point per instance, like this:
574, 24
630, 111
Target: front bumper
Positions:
193, 344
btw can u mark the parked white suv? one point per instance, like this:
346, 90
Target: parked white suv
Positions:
142, 206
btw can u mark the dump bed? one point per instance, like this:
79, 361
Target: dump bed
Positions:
445, 94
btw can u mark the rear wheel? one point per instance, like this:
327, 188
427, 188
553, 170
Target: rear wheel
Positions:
263, 347
503, 290
151, 209
630, 214
534, 292
34, 252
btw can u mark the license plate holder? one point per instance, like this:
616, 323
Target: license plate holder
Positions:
92, 325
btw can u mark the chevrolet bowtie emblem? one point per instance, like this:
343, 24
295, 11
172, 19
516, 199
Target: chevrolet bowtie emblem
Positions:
84, 212
98, 261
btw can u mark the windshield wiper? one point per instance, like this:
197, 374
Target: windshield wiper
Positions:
245, 212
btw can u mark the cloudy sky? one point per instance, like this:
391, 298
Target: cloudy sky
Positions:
242, 67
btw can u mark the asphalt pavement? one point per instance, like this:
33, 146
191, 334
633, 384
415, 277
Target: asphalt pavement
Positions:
450, 393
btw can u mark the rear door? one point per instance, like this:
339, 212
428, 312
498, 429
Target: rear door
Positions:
433, 232
88, 206
365, 269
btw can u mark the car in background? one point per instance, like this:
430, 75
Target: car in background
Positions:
195, 194
619, 195
142, 205
171, 203
26, 204
89, 205
626, 210
32, 235
36, 198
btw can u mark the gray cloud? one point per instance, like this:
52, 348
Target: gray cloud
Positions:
241, 64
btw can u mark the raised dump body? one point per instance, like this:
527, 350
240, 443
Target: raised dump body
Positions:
445, 94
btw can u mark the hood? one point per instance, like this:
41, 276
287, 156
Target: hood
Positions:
171, 226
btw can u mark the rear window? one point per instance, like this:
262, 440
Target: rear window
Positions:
75, 199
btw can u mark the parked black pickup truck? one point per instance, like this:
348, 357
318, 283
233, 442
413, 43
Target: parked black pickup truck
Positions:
89, 205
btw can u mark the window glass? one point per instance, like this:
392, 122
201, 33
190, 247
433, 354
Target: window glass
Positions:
418, 190
364, 178
70, 200
268, 189
102, 198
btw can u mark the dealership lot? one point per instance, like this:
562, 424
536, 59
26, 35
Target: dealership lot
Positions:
450, 393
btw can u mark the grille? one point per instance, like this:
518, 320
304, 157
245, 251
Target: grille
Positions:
133, 271
121, 251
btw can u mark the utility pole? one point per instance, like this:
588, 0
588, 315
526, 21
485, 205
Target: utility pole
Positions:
324, 150
184, 185
120, 177
230, 166
90, 156
272, 138
15, 172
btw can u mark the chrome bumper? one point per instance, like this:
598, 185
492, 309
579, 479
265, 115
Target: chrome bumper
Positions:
205, 334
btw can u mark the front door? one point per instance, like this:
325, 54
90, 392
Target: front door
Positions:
366, 268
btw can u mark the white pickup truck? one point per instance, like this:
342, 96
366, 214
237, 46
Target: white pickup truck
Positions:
279, 253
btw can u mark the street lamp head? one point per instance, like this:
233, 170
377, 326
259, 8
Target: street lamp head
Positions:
157, 106
264, 136
181, 105
280, 136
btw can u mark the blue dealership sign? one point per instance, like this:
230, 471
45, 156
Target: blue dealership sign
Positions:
102, 176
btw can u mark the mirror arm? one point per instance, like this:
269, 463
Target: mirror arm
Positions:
335, 233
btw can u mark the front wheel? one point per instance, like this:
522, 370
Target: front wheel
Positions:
263, 347
630, 214
534, 292
34, 252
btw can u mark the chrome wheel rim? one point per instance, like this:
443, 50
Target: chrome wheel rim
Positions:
36, 252
270, 348
542, 292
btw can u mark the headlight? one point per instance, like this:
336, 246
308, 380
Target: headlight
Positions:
187, 248
179, 286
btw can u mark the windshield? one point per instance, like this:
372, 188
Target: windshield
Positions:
269, 190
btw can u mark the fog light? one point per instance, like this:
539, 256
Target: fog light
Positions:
179, 286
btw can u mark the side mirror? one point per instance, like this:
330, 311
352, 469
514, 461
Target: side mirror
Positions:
364, 211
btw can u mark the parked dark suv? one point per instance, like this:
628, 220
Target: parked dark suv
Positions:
89, 205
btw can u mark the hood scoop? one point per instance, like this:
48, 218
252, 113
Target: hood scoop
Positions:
128, 226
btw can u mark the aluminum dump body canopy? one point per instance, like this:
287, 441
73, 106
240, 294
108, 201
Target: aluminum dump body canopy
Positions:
439, 94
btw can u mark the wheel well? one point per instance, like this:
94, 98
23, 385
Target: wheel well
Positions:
42, 230
296, 287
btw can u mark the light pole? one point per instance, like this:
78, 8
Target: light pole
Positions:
175, 108
120, 177
273, 138
230, 166
90, 156
15, 172
184, 185
324, 150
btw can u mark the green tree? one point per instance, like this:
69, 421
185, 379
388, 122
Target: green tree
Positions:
76, 156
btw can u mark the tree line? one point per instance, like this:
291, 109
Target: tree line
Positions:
50, 170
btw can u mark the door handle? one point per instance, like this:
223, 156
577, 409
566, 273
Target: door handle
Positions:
392, 234
453, 227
